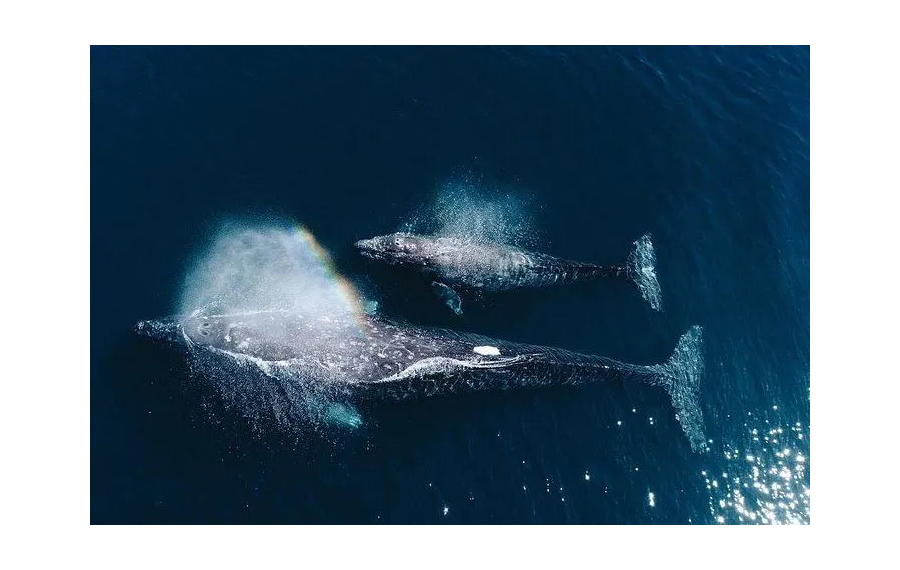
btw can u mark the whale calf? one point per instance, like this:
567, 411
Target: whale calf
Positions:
346, 360
457, 263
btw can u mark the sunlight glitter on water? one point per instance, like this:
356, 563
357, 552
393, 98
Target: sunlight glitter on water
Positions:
768, 482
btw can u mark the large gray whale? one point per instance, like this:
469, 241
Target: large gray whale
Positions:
458, 263
346, 360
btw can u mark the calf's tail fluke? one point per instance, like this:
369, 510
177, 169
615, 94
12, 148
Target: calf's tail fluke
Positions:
641, 268
681, 376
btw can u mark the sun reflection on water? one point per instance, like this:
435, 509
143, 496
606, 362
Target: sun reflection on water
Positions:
767, 482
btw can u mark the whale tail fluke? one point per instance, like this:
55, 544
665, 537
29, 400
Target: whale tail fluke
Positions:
642, 270
681, 376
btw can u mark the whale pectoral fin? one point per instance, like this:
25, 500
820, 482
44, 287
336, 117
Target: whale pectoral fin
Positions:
342, 415
448, 296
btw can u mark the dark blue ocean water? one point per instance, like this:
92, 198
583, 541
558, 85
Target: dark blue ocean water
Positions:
707, 148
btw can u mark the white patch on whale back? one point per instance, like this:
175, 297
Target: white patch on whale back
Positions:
487, 350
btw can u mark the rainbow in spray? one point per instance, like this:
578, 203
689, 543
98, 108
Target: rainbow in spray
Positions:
248, 269
348, 293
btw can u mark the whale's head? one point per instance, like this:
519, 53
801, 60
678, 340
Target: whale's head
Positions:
270, 335
398, 248
184, 332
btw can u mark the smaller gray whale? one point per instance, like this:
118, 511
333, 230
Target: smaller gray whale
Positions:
455, 263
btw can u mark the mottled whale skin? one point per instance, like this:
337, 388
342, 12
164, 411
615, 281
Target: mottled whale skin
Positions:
458, 263
367, 357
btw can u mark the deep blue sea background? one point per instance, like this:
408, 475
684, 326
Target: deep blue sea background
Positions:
707, 148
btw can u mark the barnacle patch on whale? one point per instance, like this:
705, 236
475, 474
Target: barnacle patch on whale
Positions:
487, 350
